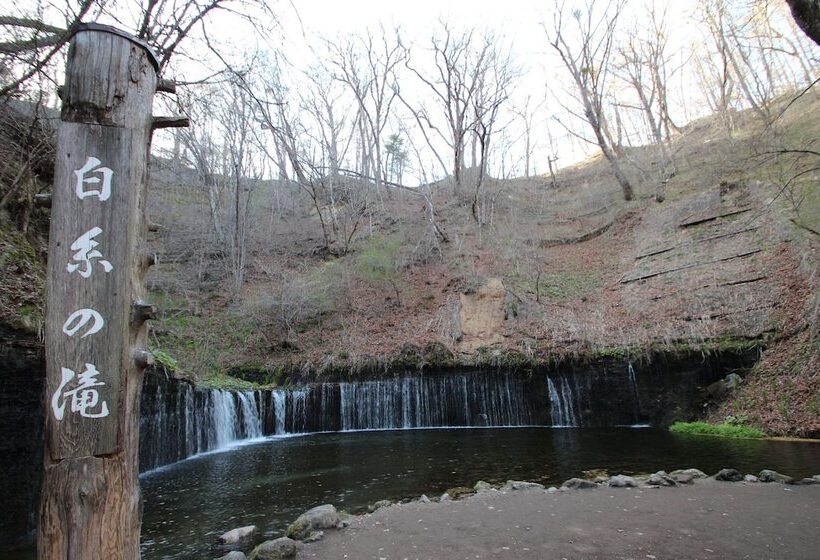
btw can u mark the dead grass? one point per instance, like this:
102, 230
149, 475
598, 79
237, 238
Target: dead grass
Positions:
741, 269
585, 304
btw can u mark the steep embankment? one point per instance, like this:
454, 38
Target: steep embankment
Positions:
554, 272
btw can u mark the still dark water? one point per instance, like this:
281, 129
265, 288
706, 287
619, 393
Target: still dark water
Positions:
270, 483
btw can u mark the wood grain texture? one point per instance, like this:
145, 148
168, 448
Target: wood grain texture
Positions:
90, 506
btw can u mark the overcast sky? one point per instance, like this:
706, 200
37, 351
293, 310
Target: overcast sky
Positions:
303, 24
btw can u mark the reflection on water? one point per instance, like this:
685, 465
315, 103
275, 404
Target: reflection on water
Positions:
270, 483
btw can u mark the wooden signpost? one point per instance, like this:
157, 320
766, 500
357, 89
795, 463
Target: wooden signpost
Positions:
95, 315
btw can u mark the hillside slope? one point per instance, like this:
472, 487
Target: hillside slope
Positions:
554, 272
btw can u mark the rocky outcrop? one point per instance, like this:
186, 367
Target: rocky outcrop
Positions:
22, 382
481, 315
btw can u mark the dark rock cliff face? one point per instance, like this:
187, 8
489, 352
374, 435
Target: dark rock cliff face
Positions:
22, 376
657, 392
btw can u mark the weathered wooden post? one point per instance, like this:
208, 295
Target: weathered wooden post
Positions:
95, 318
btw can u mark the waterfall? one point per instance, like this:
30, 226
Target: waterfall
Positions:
434, 401
222, 417
298, 411
636, 400
178, 421
279, 411
251, 419
562, 408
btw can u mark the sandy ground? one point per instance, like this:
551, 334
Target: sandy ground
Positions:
707, 520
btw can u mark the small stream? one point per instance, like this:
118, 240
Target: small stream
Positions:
270, 482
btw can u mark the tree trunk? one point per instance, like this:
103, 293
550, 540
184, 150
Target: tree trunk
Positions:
609, 154
807, 15
458, 164
90, 507
626, 187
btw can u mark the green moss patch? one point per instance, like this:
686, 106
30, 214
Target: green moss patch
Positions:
22, 282
721, 430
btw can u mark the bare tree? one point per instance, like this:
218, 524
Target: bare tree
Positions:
29, 42
201, 152
643, 64
469, 79
492, 93
586, 54
526, 112
368, 66
330, 129
243, 170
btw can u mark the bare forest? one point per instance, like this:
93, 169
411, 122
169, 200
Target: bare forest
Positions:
614, 178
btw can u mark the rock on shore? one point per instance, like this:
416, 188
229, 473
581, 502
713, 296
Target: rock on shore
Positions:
313, 521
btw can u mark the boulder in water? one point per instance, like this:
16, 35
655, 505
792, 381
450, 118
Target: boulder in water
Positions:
318, 518
767, 475
239, 537
750, 478
278, 549
728, 475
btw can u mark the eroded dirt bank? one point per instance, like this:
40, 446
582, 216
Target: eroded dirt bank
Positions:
707, 520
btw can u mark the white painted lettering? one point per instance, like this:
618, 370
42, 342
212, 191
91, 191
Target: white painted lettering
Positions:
104, 192
81, 318
86, 253
83, 397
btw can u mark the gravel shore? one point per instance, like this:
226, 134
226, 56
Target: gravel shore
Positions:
705, 520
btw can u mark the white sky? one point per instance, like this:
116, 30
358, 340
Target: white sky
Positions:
352, 15
518, 21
